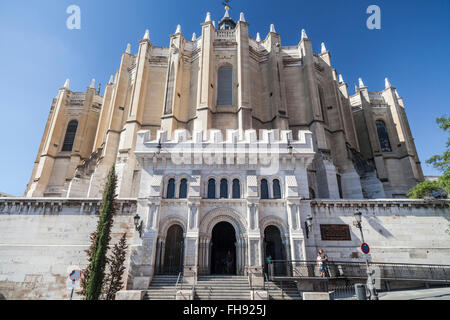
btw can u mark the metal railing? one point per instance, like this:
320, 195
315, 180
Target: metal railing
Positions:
180, 277
297, 270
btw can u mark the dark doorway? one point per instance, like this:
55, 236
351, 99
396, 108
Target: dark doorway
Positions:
173, 254
223, 250
274, 248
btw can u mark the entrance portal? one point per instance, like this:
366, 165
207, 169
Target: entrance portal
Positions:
173, 254
223, 249
274, 249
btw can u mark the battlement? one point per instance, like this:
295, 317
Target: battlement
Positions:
245, 141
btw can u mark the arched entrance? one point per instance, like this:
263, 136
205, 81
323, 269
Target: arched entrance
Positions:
174, 251
223, 249
274, 248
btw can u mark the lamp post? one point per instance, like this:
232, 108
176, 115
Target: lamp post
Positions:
138, 226
370, 281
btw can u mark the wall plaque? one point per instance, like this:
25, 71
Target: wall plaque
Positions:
335, 232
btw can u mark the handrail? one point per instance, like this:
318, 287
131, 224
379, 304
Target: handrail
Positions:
358, 270
195, 282
266, 279
178, 281
363, 262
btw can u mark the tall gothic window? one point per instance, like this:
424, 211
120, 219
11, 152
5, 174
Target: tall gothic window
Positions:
225, 86
211, 189
183, 189
383, 136
224, 189
276, 189
264, 189
236, 189
71, 132
171, 189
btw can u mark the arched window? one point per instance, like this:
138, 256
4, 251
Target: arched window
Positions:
224, 189
211, 189
236, 189
71, 132
171, 189
183, 189
225, 86
264, 189
383, 136
276, 189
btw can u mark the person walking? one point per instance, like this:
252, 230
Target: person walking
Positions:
319, 264
324, 261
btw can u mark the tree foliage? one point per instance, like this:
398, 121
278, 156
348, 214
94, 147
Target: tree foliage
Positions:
85, 273
114, 278
99, 256
440, 188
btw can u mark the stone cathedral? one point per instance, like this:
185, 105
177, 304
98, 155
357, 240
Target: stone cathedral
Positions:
226, 144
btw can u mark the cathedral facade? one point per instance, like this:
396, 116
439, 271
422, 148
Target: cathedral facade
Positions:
225, 141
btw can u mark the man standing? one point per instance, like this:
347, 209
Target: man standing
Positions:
324, 264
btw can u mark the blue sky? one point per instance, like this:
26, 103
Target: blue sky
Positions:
38, 53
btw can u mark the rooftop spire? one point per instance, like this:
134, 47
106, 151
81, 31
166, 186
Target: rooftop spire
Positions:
361, 83
272, 28
208, 17
258, 37
194, 37
227, 23
67, 84
387, 84
178, 29
304, 35
324, 49
341, 79
242, 17
92, 84
128, 49
147, 35
227, 14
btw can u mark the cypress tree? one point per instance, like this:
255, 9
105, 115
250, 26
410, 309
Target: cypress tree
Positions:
99, 257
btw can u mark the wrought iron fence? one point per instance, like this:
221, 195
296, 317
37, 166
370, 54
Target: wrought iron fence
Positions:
358, 270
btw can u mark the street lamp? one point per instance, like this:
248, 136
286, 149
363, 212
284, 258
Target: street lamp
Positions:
138, 226
370, 281
308, 225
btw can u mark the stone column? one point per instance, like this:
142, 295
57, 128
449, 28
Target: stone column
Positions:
296, 235
205, 81
191, 253
143, 256
255, 268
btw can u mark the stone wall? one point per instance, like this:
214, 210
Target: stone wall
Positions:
40, 239
400, 231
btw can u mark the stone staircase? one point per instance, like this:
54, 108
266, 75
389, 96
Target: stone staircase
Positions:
283, 291
222, 288
162, 288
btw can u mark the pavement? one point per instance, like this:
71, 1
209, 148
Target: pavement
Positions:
422, 294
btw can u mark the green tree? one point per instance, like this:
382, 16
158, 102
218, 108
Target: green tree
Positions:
440, 162
99, 257
114, 279
85, 273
